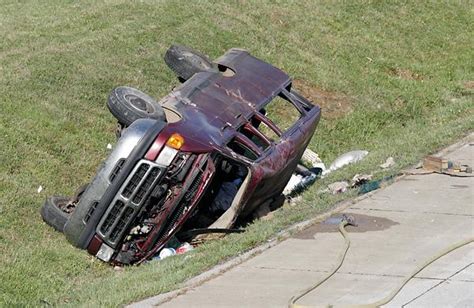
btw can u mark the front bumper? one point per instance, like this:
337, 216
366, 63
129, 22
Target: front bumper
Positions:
130, 149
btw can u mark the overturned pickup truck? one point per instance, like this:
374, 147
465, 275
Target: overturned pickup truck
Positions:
223, 143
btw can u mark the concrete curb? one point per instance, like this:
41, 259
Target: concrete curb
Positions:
279, 237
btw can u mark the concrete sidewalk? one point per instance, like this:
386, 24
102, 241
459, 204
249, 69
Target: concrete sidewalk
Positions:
400, 227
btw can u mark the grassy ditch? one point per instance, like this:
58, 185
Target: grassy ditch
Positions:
395, 78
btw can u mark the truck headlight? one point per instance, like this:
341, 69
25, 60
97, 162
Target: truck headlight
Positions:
105, 253
166, 156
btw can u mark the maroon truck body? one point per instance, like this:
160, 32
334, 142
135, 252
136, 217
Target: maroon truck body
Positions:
219, 116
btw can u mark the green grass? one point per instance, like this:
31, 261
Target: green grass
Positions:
403, 68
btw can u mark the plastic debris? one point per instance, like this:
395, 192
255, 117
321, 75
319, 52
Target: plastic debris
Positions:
301, 179
388, 163
135, 230
346, 159
145, 229
109, 146
118, 268
373, 185
305, 183
313, 159
292, 183
40, 189
167, 252
360, 179
368, 187
338, 187
184, 248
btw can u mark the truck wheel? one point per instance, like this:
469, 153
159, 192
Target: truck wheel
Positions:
185, 62
129, 104
53, 214
57, 210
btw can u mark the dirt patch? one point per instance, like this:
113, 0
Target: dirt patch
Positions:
404, 74
333, 105
364, 223
469, 84
278, 17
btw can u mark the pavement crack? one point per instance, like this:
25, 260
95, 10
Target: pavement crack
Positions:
289, 269
379, 210
324, 271
436, 285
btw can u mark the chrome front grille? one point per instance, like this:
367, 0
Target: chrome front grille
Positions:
128, 200
121, 224
112, 216
135, 180
146, 185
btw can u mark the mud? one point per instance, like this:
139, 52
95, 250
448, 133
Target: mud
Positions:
364, 223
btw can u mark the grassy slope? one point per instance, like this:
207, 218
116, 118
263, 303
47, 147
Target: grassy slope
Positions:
403, 66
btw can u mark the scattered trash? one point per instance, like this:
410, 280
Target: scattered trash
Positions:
388, 163
301, 179
135, 230
118, 268
184, 248
433, 163
373, 185
313, 159
292, 183
338, 187
167, 252
40, 189
305, 183
346, 159
174, 247
360, 179
440, 165
145, 229
368, 187
109, 146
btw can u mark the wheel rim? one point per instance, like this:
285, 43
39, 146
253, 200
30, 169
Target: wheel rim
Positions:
139, 103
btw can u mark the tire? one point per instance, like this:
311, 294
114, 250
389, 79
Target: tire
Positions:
185, 62
53, 214
129, 104
55, 211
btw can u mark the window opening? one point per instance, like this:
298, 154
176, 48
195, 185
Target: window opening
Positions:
281, 111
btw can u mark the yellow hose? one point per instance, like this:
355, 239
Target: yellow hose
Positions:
389, 297
342, 256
